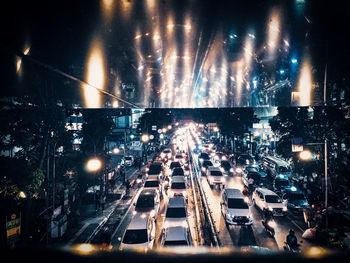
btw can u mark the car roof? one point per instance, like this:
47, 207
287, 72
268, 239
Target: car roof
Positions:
176, 233
213, 168
156, 164
277, 160
178, 179
152, 177
233, 193
177, 201
265, 191
148, 192
297, 190
138, 221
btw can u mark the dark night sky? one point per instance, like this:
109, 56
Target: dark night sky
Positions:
59, 33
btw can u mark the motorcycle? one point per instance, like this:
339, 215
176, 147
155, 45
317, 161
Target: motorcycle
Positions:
269, 226
295, 249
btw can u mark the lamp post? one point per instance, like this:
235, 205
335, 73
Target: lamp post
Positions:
145, 139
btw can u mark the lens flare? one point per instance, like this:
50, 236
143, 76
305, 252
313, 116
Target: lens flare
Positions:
95, 77
305, 84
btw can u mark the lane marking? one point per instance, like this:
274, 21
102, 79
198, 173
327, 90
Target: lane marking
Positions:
70, 242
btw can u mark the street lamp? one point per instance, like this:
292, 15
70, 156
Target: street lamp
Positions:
94, 164
305, 155
145, 139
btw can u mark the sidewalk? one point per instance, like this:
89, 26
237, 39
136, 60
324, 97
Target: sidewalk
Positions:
90, 220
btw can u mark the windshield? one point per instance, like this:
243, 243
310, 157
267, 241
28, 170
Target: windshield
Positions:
272, 199
175, 164
167, 151
215, 173
135, 236
295, 196
207, 164
284, 169
282, 183
237, 203
204, 156
154, 169
175, 243
145, 201
151, 184
128, 158
176, 212
225, 165
178, 171
178, 186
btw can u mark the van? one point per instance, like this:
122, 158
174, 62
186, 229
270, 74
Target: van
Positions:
276, 167
235, 208
140, 234
264, 198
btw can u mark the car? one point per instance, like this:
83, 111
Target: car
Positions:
251, 174
128, 161
153, 182
235, 208
148, 203
175, 164
226, 167
215, 176
176, 213
176, 236
177, 171
204, 166
277, 167
166, 154
218, 157
264, 198
280, 183
156, 168
140, 233
178, 187
203, 156
296, 200
243, 160
179, 157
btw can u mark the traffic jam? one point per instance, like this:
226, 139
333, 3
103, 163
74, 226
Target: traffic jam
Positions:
194, 195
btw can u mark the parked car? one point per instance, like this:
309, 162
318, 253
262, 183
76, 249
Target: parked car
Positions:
264, 198
140, 233
234, 207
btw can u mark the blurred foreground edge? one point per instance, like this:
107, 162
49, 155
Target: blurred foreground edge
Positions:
91, 253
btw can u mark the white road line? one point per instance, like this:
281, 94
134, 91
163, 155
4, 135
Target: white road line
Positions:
294, 223
70, 242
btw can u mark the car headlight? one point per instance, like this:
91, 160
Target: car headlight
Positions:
222, 169
184, 224
223, 158
184, 193
238, 170
231, 170
138, 180
187, 172
284, 209
270, 208
222, 180
246, 199
134, 212
171, 193
203, 169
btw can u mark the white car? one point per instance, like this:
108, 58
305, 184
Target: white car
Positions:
264, 198
166, 154
178, 187
153, 182
234, 207
148, 203
176, 213
140, 234
215, 176
176, 236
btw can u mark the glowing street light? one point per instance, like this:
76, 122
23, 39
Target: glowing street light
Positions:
145, 138
94, 164
169, 127
305, 155
22, 195
164, 130
116, 150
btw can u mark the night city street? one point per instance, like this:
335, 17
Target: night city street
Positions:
156, 130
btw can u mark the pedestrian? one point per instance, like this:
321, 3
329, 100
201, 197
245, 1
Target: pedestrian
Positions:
127, 186
102, 201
